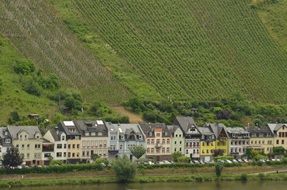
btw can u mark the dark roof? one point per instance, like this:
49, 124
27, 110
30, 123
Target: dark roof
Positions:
65, 126
216, 128
264, 130
184, 122
274, 127
148, 128
54, 134
92, 126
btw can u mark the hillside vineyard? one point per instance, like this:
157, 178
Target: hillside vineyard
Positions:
192, 49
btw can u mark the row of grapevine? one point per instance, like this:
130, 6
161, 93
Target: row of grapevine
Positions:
45, 40
192, 49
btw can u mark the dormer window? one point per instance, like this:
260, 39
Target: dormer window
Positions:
100, 134
7, 140
63, 137
93, 134
87, 134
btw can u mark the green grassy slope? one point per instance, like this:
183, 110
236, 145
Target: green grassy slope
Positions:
12, 97
186, 49
40, 35
274, 16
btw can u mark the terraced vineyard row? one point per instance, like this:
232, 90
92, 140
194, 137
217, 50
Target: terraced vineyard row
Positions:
37, 32
196, 50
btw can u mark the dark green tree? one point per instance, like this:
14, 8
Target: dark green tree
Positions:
137, 151
125, 169
12, 158
176, 156
218, 168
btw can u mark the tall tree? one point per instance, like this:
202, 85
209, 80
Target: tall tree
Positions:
137, 151
12, 158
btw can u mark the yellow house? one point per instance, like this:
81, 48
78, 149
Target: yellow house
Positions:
207, 144
221, 135
261, 139
280, 134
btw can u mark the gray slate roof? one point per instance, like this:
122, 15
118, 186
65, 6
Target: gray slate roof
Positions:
31, 130
92, 126
65, 125
274, 127
184, 122
148, 128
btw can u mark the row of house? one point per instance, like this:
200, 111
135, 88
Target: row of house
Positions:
79, 141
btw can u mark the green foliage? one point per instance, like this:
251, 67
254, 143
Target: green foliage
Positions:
279, 150
176, 156
12, 158
138, 151
32, 88
50, 82
99, 109
23, 67
56, 163
243, 177
14, 117
125, 169
183, 159
218, 168
69, 101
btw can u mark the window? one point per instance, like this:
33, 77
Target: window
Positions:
179, 142
7, 140
163, 141
158, 134
65, 145
78, 146
28, 155
152, 141
277, 141
152, 150
69, 146
74, 146
28, 146
167, 150
163, 150
73, 155
176, 135
282, 142
148, 150
23, 145
59, 154
157, 141
167, 141
174, 149
63, 137
59, 146
148, 141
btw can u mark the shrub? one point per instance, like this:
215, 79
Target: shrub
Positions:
124, 169
218, 168
32, 88
243, 177
23, 67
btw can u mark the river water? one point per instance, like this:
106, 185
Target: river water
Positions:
270, 185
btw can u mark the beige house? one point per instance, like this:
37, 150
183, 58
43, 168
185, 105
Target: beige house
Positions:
28, 140
94, 138
58, 139
280, 134
261, 139
158, 141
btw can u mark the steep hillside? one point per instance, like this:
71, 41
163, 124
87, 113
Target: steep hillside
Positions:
274, 16
40, 35
12, 96
184, 49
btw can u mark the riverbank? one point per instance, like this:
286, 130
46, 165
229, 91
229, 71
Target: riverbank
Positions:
204, 174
